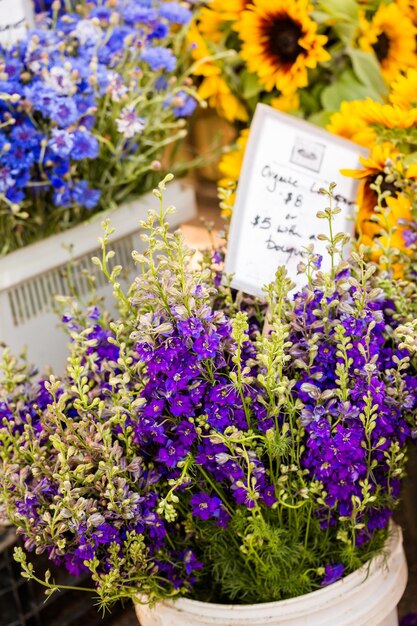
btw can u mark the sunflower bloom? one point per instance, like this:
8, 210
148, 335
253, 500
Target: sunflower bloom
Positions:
287, 104
394, 221
349, 123
404, 90
372, 167
388, 115
212, 18
216, 91
391, 35
375, 163
280, 43
397, 207
210, 23
230, 166
200, 53
409, 8
214, 88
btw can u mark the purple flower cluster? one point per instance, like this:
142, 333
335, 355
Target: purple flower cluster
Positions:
349, 435
179, 399
94, 529
182, 427
178, 386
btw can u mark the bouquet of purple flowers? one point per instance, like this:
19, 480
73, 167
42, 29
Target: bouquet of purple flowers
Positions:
189, 451
89, 101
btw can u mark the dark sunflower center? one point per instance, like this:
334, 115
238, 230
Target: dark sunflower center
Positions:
283, 36
385, 186
381, 47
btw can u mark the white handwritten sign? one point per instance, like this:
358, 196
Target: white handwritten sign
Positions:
287, 162
15, 16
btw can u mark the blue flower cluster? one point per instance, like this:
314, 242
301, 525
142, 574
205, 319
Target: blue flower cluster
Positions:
77, 99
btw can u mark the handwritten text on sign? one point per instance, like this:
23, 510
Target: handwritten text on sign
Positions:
286, 163
15, 15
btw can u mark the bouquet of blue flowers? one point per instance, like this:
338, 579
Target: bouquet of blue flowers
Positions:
191, 450
89, 102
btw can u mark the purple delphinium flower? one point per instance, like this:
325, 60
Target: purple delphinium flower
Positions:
409, 236
170, 454
409, 620
332, 573
184, 425
205, 506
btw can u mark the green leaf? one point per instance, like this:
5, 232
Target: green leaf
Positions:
366, 68
320, 17
348, 9
347, 87
345, 31
308, 103
322, 118
410, 158
250, 85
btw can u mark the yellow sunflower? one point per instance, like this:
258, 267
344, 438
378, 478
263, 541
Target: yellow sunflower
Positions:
404, 90
348, 122
388, 115
375, 163
287, 104
399, 211
391, 35
210, 23
200, 53
219, 12
230, 166
213, 87
216, 91
372, 167
280, 43
409, 8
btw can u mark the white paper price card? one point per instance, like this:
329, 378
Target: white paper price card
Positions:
287, 161
15, 16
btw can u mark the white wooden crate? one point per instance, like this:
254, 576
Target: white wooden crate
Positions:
30, 278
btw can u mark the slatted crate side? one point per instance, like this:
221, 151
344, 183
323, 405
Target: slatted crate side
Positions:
31, 278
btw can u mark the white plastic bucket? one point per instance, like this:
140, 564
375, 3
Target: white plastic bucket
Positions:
30, 278
368, 597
